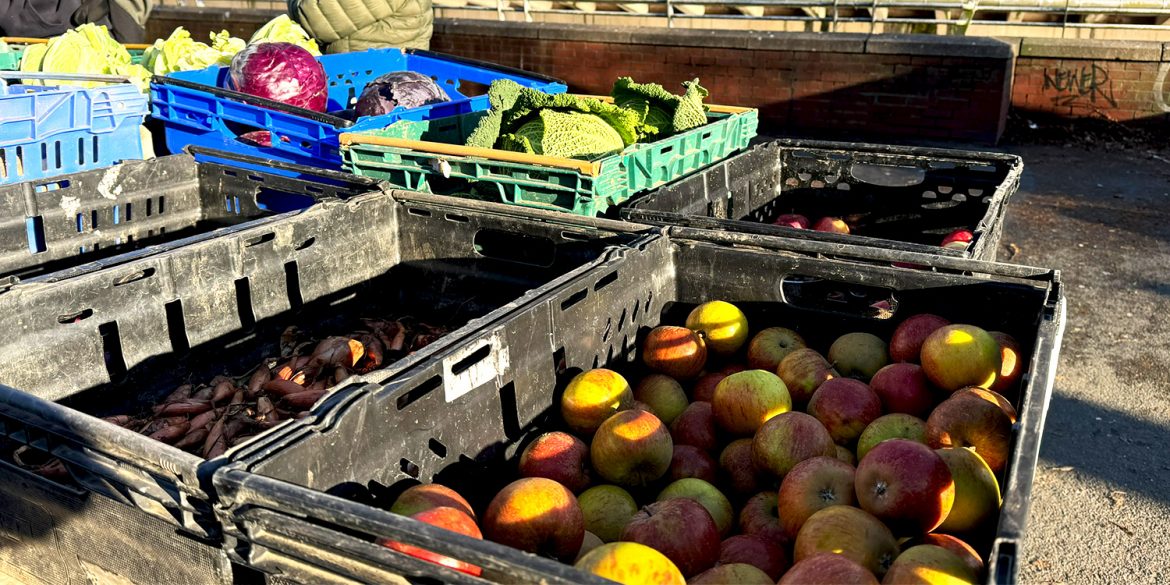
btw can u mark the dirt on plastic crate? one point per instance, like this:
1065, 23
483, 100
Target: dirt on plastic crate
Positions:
437, 423
117, 340
902, 198
428, 156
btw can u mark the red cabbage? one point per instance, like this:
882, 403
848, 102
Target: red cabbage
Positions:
400, 88
282, 72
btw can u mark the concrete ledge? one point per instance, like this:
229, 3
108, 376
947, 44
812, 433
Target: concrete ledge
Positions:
1095, 50
807, 42
939, 46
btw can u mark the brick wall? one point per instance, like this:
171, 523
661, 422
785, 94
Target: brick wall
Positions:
1121, 82
851, 86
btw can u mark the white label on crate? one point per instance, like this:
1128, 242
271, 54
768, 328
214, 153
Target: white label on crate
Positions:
476, 365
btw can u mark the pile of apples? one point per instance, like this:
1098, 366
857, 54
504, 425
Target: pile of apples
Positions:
755, 459
957, 240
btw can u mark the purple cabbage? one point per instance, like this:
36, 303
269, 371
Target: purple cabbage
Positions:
400, 88
281, 72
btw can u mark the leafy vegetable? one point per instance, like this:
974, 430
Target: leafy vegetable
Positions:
179, 52
662, 113
526, 120
405, 89
88, 48
282, 29
283, 72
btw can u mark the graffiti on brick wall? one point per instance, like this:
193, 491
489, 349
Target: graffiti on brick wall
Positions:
1079, 85
1160, 87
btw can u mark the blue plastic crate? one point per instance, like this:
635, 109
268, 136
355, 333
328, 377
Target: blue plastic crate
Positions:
54, 130
196, 108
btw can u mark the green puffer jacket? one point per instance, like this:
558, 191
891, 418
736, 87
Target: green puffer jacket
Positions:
357, 25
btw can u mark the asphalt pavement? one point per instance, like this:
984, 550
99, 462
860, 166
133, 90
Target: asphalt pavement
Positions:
1101, 497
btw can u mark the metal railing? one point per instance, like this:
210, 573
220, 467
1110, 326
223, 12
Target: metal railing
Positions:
947, 16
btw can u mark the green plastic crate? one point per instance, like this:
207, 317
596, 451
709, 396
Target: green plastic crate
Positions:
428, 156
10, 59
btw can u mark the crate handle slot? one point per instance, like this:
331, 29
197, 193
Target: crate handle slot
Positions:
838, 297
135, 276
887, 175
75, 317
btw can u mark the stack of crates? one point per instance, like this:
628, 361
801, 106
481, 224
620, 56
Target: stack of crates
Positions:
152, 274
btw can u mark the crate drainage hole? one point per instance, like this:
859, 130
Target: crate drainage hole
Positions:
509, 414
466, 363
408, 468
437, 447
176, 327
574, 299
112, 348
605, 280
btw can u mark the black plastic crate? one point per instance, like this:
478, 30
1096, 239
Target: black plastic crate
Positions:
897, 197
315, 499
111, 338
70, 220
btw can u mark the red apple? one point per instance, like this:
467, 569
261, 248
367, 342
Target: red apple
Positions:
788, 439
630, 563
696, 427
906, 343
803, 371
858, 355
631, 448
662, 395
451, 519
813, 485
902, 387
828, 569
926, 564
759, 517
905, 484
955, 545
845, 406
607, 509
691, 461
679, 528
738, 573
1011, 363
744, 400
431, 495
593, 396
558, 456
831, 224
704, 388
955, 356
850, 532
972, 418
792, 220
706, 494
755, 551
891, 426
768, 348
737, 470
677, 352
958, 239
536, 515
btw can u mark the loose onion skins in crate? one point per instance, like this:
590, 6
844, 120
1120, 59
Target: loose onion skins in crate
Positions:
928, 200
463, 419
69, 220
149, 345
